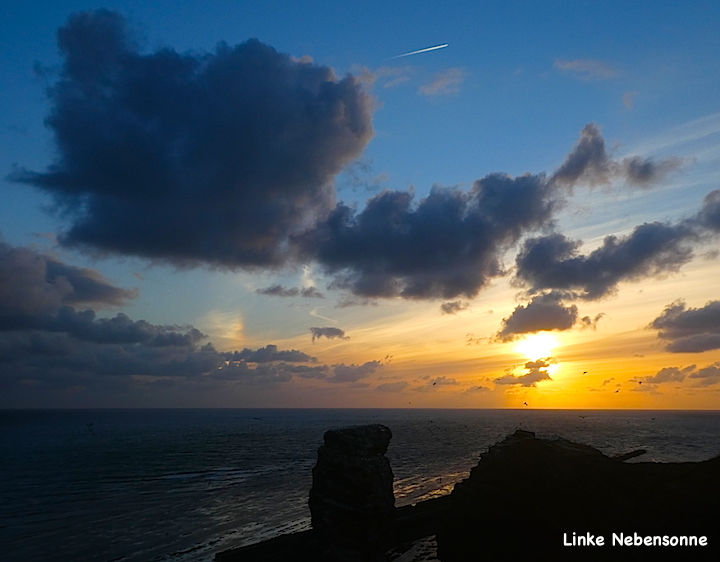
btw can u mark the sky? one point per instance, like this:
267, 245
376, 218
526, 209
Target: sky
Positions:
263, 204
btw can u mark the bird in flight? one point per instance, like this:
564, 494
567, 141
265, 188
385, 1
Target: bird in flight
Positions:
421, 51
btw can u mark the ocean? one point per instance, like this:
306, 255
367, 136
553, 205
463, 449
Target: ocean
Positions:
181, 485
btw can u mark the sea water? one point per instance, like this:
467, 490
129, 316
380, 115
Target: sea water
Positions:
181, 485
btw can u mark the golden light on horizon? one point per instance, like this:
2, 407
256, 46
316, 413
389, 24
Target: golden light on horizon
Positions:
537, 346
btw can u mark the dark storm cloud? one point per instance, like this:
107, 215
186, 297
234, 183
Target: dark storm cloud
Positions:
228, 159
553, 261
212, 158
589, 162
280, 291
453, 307
267, 373
120, 329
353, 373
448, 245
543, 312
46, 355
536, 372
64, 356
34, 287
709, 215
451, 243
689, 330
44, 338
329, 333
269, 353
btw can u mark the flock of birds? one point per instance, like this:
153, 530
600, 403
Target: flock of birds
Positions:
585, 373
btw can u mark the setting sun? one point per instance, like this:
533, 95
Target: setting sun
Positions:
537, 346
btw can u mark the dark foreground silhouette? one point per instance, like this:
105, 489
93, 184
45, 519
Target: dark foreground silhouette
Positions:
527, 499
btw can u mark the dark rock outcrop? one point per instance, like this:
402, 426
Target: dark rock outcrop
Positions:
351, 500
529, 496
523, 501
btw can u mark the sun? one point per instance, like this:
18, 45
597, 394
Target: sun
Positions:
537, 346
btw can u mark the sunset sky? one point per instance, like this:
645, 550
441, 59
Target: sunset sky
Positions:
241, 204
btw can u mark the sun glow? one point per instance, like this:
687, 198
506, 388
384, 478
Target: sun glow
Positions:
537, 346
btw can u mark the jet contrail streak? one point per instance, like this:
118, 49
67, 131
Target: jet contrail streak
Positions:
422, 51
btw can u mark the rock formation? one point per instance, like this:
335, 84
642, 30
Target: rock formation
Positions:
525, 500
351, 500
530, 496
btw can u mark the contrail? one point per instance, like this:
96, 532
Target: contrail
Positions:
314, 312
422, 51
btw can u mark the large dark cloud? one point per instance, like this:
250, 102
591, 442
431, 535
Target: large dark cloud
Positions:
266, 373
554, 262
195, 158
589, 162
120, 329
122, 347
45, 339
449, 244
34, 287
689, 330
228, 159
543, 312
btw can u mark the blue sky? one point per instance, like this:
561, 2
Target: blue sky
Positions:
511, 93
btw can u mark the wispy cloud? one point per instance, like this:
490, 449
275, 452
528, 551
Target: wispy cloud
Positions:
587, 69
385, 76
629, 99
392, 76
445, 82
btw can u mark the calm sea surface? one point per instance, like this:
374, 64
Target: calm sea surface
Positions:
180, 485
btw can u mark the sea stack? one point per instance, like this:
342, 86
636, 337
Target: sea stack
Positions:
351, 500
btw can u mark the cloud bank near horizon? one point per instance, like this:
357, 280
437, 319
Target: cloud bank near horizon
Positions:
51, 337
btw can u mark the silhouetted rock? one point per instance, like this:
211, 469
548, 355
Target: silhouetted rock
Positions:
530, 496
351, 500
